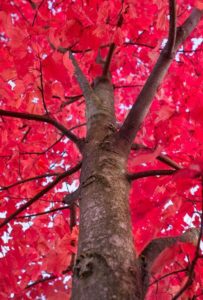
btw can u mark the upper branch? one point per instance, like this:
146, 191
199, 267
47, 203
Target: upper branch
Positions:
172, 27
41, 88
141, 107
108, 60
90, 97
46, 119
81, 78
111, 49
41, 193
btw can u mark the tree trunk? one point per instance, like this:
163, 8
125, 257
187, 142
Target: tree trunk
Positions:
106, 264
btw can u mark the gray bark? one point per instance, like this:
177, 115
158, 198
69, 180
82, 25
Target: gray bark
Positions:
106, 266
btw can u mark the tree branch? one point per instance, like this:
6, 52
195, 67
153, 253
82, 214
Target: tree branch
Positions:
41, 280
43, 212
149, 173
51, 277
163, 158
70, 267
90, 97
168, 274
111, 49
108, 60
46, 150
172, 28
153, 249
71, 100
2, 188
45, 119
191, 267
71, 198
142, 105
40, 194
168, 161
81, 78
41, 88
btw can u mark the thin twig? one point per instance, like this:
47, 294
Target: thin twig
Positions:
37, 9
41, 88
163, 158
71, 100
43, 212
51, 277
2, 188
192, 265
45, 119
40, 194
126, 86
21, 13
149, 173
167, 275
46, 150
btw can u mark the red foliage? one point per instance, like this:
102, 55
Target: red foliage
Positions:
36, 76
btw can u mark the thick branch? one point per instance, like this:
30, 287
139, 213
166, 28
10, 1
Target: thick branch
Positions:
150, 173
108, 60
45, 119
71, 198
90, 97
152, 251
40, 194
81, 78
141, 107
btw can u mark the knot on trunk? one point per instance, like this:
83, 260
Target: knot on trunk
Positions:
87, 263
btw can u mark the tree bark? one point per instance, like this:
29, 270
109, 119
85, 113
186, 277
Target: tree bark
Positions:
106, 265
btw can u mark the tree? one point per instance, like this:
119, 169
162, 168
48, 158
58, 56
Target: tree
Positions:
101, 129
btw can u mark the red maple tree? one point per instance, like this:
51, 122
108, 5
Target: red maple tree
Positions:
101, 100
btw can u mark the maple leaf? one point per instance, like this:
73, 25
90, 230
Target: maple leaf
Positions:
199, 4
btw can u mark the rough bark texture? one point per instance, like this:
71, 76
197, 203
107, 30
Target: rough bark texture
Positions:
106, 265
